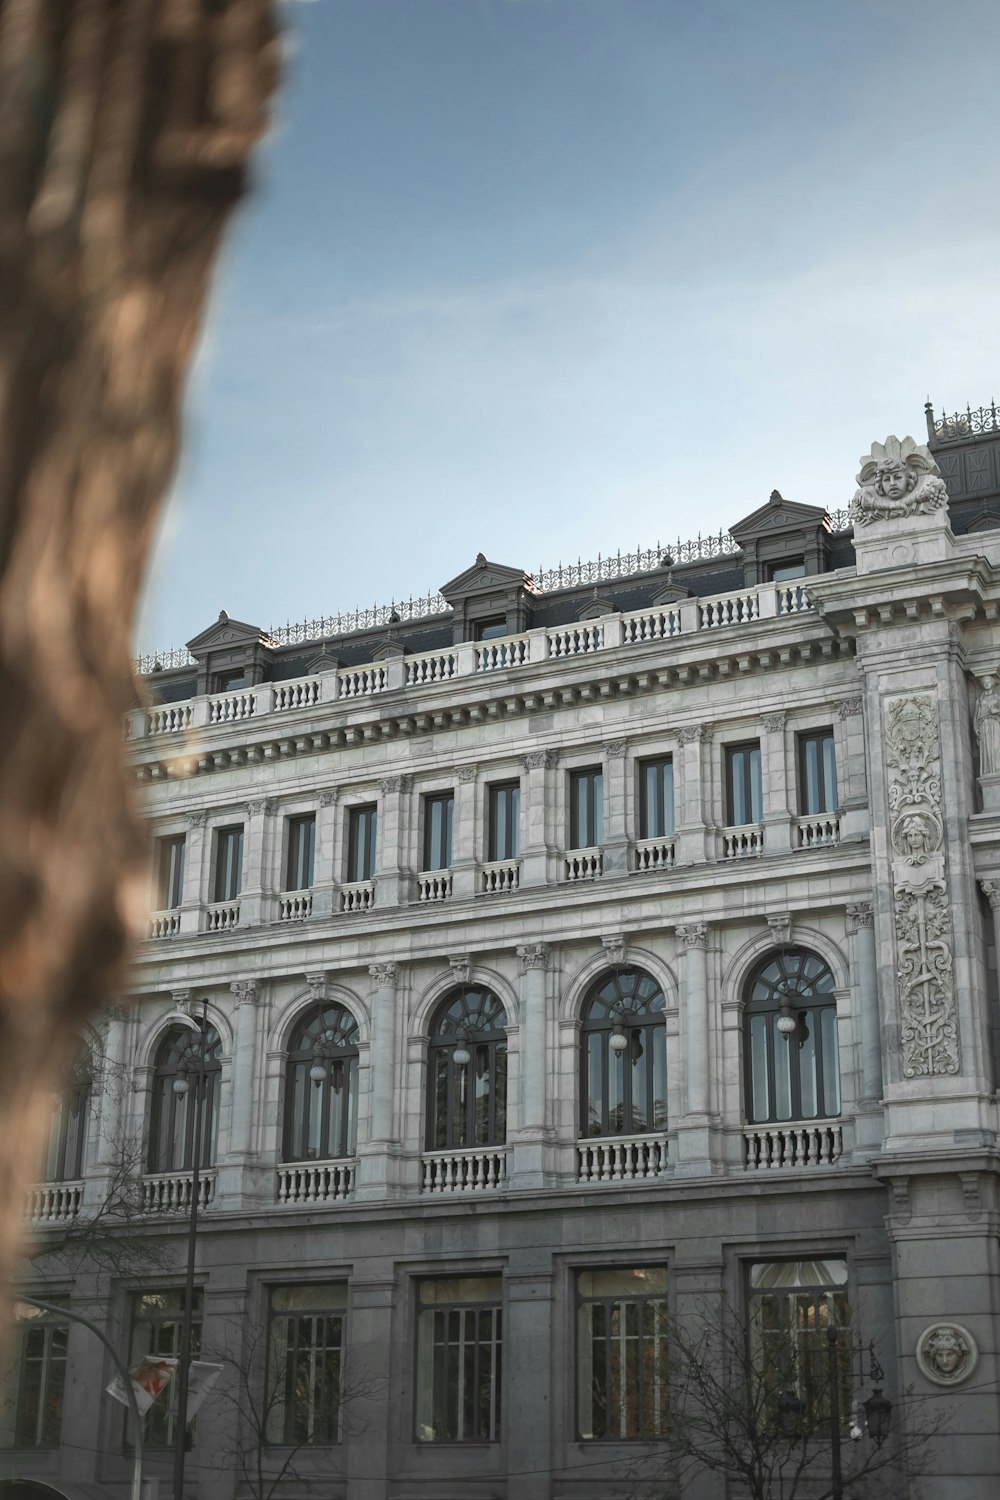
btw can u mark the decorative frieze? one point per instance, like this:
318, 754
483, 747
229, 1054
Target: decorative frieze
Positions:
531, 956
922, 917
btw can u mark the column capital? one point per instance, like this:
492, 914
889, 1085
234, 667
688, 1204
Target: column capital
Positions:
329, 797
467, 773
385, 975
614, 946
540, 760
692, 935
848, 708
245, 991
266, 805
991, 889
693, 734
775, 722
531, 956
197, 818
390, 784
862, 914
461, 964
615, 749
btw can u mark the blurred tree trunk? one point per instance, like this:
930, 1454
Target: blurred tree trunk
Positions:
125, 131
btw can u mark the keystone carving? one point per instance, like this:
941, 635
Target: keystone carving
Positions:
897, 479
317, 987
531, 956
461, 966
781, 928
614, 947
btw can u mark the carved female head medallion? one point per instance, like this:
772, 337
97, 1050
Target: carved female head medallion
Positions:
947, 1353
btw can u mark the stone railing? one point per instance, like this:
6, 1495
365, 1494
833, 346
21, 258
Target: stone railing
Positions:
221, 916
792, 1143
744, 841
434, 885
818, 831
164, 924
463, 1171
53, 1202
503, 875
358, 895
621, 1158
316, 1181
653, 854
582, 864
170, 1192
686, 618
295, 906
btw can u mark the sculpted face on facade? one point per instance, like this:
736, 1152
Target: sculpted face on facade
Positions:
897, 478
947, 1353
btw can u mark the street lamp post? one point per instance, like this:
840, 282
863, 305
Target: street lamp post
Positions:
836, 1472
877, 1410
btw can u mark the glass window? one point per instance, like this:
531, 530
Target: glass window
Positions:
795, 567
305, 1356
656, 799
586, 798
157, 1318
817, 772
228, 863
35, 1376
468, 1100
171, 1136
66, 1144
439, 813
362, 828
743, 784
624, 1056
321, 1110
230, 682
792, 1303
169, 872
301, 852
621, 1353
490, 630
505, 820
459, 1359
795, 1074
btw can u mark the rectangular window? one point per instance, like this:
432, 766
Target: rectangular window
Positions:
228, 863
783, 572
792, 1303
743, 784
305, 1358
621, 1354
458, 1359
301, 852
505, 820
656, 799
156, 1332
169, 872
492, 629
817, 772
439, 814
36, 1358
586, 798
362, 829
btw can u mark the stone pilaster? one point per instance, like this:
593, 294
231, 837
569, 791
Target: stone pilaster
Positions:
777, 770
239, 1182
861, 925
373, 1382
695, 1131
615, 843
258, 874
692, 792
197, 849
527, 1166
466, 851
852, 780
393, 876
528, 1345
376, 1154
540, 850
324, 873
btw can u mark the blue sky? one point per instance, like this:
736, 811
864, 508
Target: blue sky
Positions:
546, 278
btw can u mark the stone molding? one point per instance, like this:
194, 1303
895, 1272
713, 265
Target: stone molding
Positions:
531, 956
245, 991
692, 935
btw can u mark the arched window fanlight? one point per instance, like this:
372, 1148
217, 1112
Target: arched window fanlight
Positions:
321, 1085
467, 1103
175, 1081
790, 1039
67, 1140
623, 1056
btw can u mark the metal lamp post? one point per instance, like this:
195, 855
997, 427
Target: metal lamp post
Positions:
877, 1409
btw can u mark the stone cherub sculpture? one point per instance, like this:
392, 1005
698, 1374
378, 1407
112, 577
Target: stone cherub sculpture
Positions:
987, 722
898, 478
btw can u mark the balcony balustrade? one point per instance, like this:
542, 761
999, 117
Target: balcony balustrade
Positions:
316, 1181
582, 864
653, 854
170, 1192
438, 667
358, 895
500, 877
621, 1158
53, 1202
819, 831
164, 924
295, 906
231, 707
463, 1171
792, 1144
434, 885
745, 841
221, 916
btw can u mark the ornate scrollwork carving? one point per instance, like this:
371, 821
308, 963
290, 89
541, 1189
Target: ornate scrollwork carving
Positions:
245, 991
384, 975
197, 819
539, 760
991, 889
614, 947
692, 935
693, 734
531, 956
848, 708
897, 479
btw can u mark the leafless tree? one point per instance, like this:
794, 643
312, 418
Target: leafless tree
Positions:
125, 131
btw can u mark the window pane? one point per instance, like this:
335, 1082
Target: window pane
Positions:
760, 1105
597, 805
301, 853
756, 791
813, 794
780, 1051
659, 1040
806, 1040
458, 1360
829, 775
616, 1092
639, 1081
831, 1061
595, 1083
618, 1280
737, 787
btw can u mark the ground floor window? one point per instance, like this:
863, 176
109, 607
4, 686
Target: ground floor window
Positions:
34, 1378
305, 1363
622, 1352
458, 1359
157, 1319
792, 1303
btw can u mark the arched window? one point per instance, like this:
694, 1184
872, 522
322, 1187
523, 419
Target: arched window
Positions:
790, 1035
468, 1071
624, 1056
321, 1085
175, 1086
64, 1154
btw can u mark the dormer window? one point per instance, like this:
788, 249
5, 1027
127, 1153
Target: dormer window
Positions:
795, 567
490, 630
230, 682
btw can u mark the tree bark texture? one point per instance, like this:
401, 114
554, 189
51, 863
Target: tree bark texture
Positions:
125, 131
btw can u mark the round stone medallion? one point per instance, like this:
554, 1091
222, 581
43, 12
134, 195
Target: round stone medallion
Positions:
947, 1353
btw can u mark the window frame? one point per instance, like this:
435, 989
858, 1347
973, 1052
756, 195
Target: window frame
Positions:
228, 872
365, 812
579, 1302
296, 859
649, 1025
824, 1001
509, 820
592, 779
273, 1382
339, 1021
46, 1435
443, 835
159, 1422
783, 565
453, 1013
490, 628
790, 1373
183, 1044
659, 764
66, 1143
820, 738
747, 748
494, 1305
171, 857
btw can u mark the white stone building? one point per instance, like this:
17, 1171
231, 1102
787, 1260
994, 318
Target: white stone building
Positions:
617, 937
